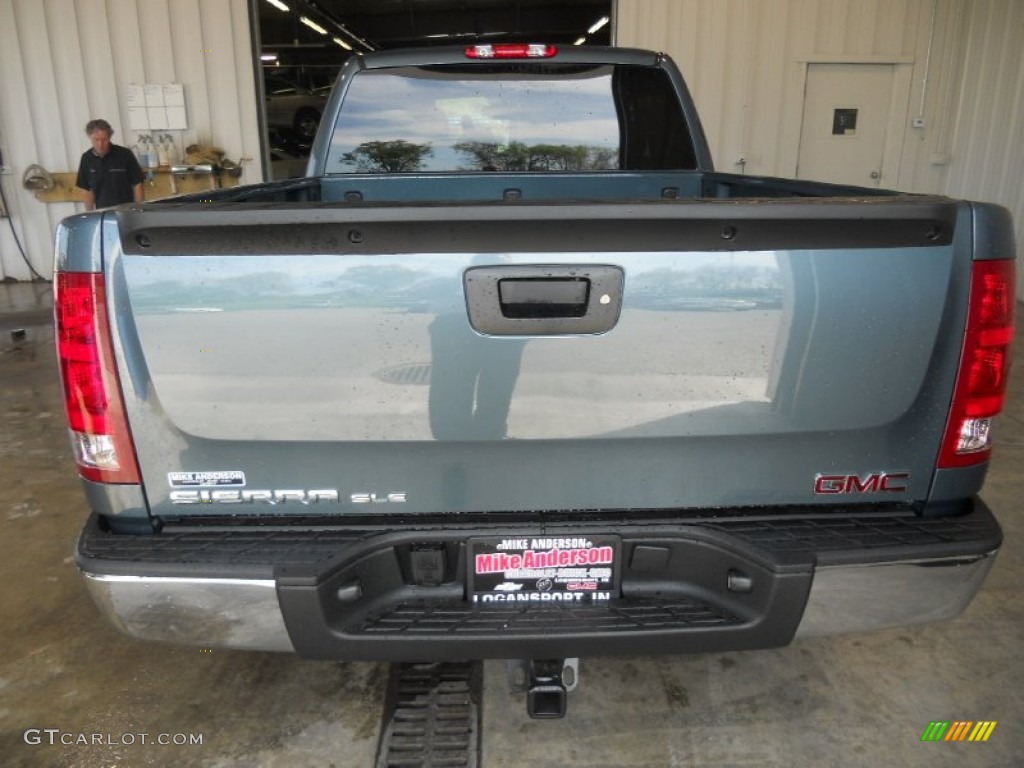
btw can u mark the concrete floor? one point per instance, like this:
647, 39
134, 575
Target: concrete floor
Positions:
851, 701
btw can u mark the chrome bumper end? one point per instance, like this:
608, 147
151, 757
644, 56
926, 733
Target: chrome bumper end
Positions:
861, 598
242, 614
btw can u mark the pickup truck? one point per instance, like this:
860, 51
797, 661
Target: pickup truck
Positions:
514, 373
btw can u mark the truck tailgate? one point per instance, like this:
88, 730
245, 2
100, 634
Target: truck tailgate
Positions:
427, 359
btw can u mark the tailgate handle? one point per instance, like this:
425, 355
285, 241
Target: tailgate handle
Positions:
543, 296
543, 300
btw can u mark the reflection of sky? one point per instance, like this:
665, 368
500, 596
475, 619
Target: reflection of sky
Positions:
314, 274
388, 106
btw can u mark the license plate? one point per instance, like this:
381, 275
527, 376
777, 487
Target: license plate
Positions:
543, 569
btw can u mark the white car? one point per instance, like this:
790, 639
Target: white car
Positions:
293, 109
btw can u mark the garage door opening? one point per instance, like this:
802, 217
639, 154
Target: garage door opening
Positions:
302, 46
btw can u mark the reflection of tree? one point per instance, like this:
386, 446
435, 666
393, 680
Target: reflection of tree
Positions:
397, 156
516, 156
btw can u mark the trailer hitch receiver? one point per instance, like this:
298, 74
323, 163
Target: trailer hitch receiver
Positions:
547, 683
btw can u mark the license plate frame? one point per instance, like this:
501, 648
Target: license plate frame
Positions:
516, 570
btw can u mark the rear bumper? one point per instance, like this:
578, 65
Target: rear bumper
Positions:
347, 594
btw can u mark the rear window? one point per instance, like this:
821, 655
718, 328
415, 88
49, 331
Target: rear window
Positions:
510, 117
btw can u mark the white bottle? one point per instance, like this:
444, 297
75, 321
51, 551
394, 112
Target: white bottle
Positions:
172, 150
148, 156
164, 151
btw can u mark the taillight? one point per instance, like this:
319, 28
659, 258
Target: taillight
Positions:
92, 394
511, 51
984, 366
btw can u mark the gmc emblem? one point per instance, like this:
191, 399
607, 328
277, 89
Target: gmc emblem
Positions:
876, 482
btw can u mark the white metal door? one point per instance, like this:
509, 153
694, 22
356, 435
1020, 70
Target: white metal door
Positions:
848, 114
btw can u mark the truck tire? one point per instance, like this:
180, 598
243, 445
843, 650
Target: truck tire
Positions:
306, 121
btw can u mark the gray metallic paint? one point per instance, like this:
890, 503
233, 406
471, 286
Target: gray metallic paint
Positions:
744, 384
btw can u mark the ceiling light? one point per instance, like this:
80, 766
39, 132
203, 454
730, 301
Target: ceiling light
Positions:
581, 41
312, 25
268, 57
279, 5
343, 44
598, 24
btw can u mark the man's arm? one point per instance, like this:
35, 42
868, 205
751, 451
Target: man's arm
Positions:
137, 178
82, 182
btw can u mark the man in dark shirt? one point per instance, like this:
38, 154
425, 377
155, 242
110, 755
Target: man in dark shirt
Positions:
109, 173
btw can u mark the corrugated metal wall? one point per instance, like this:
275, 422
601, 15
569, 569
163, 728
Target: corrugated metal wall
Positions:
988, 150
745, 61
63, 62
